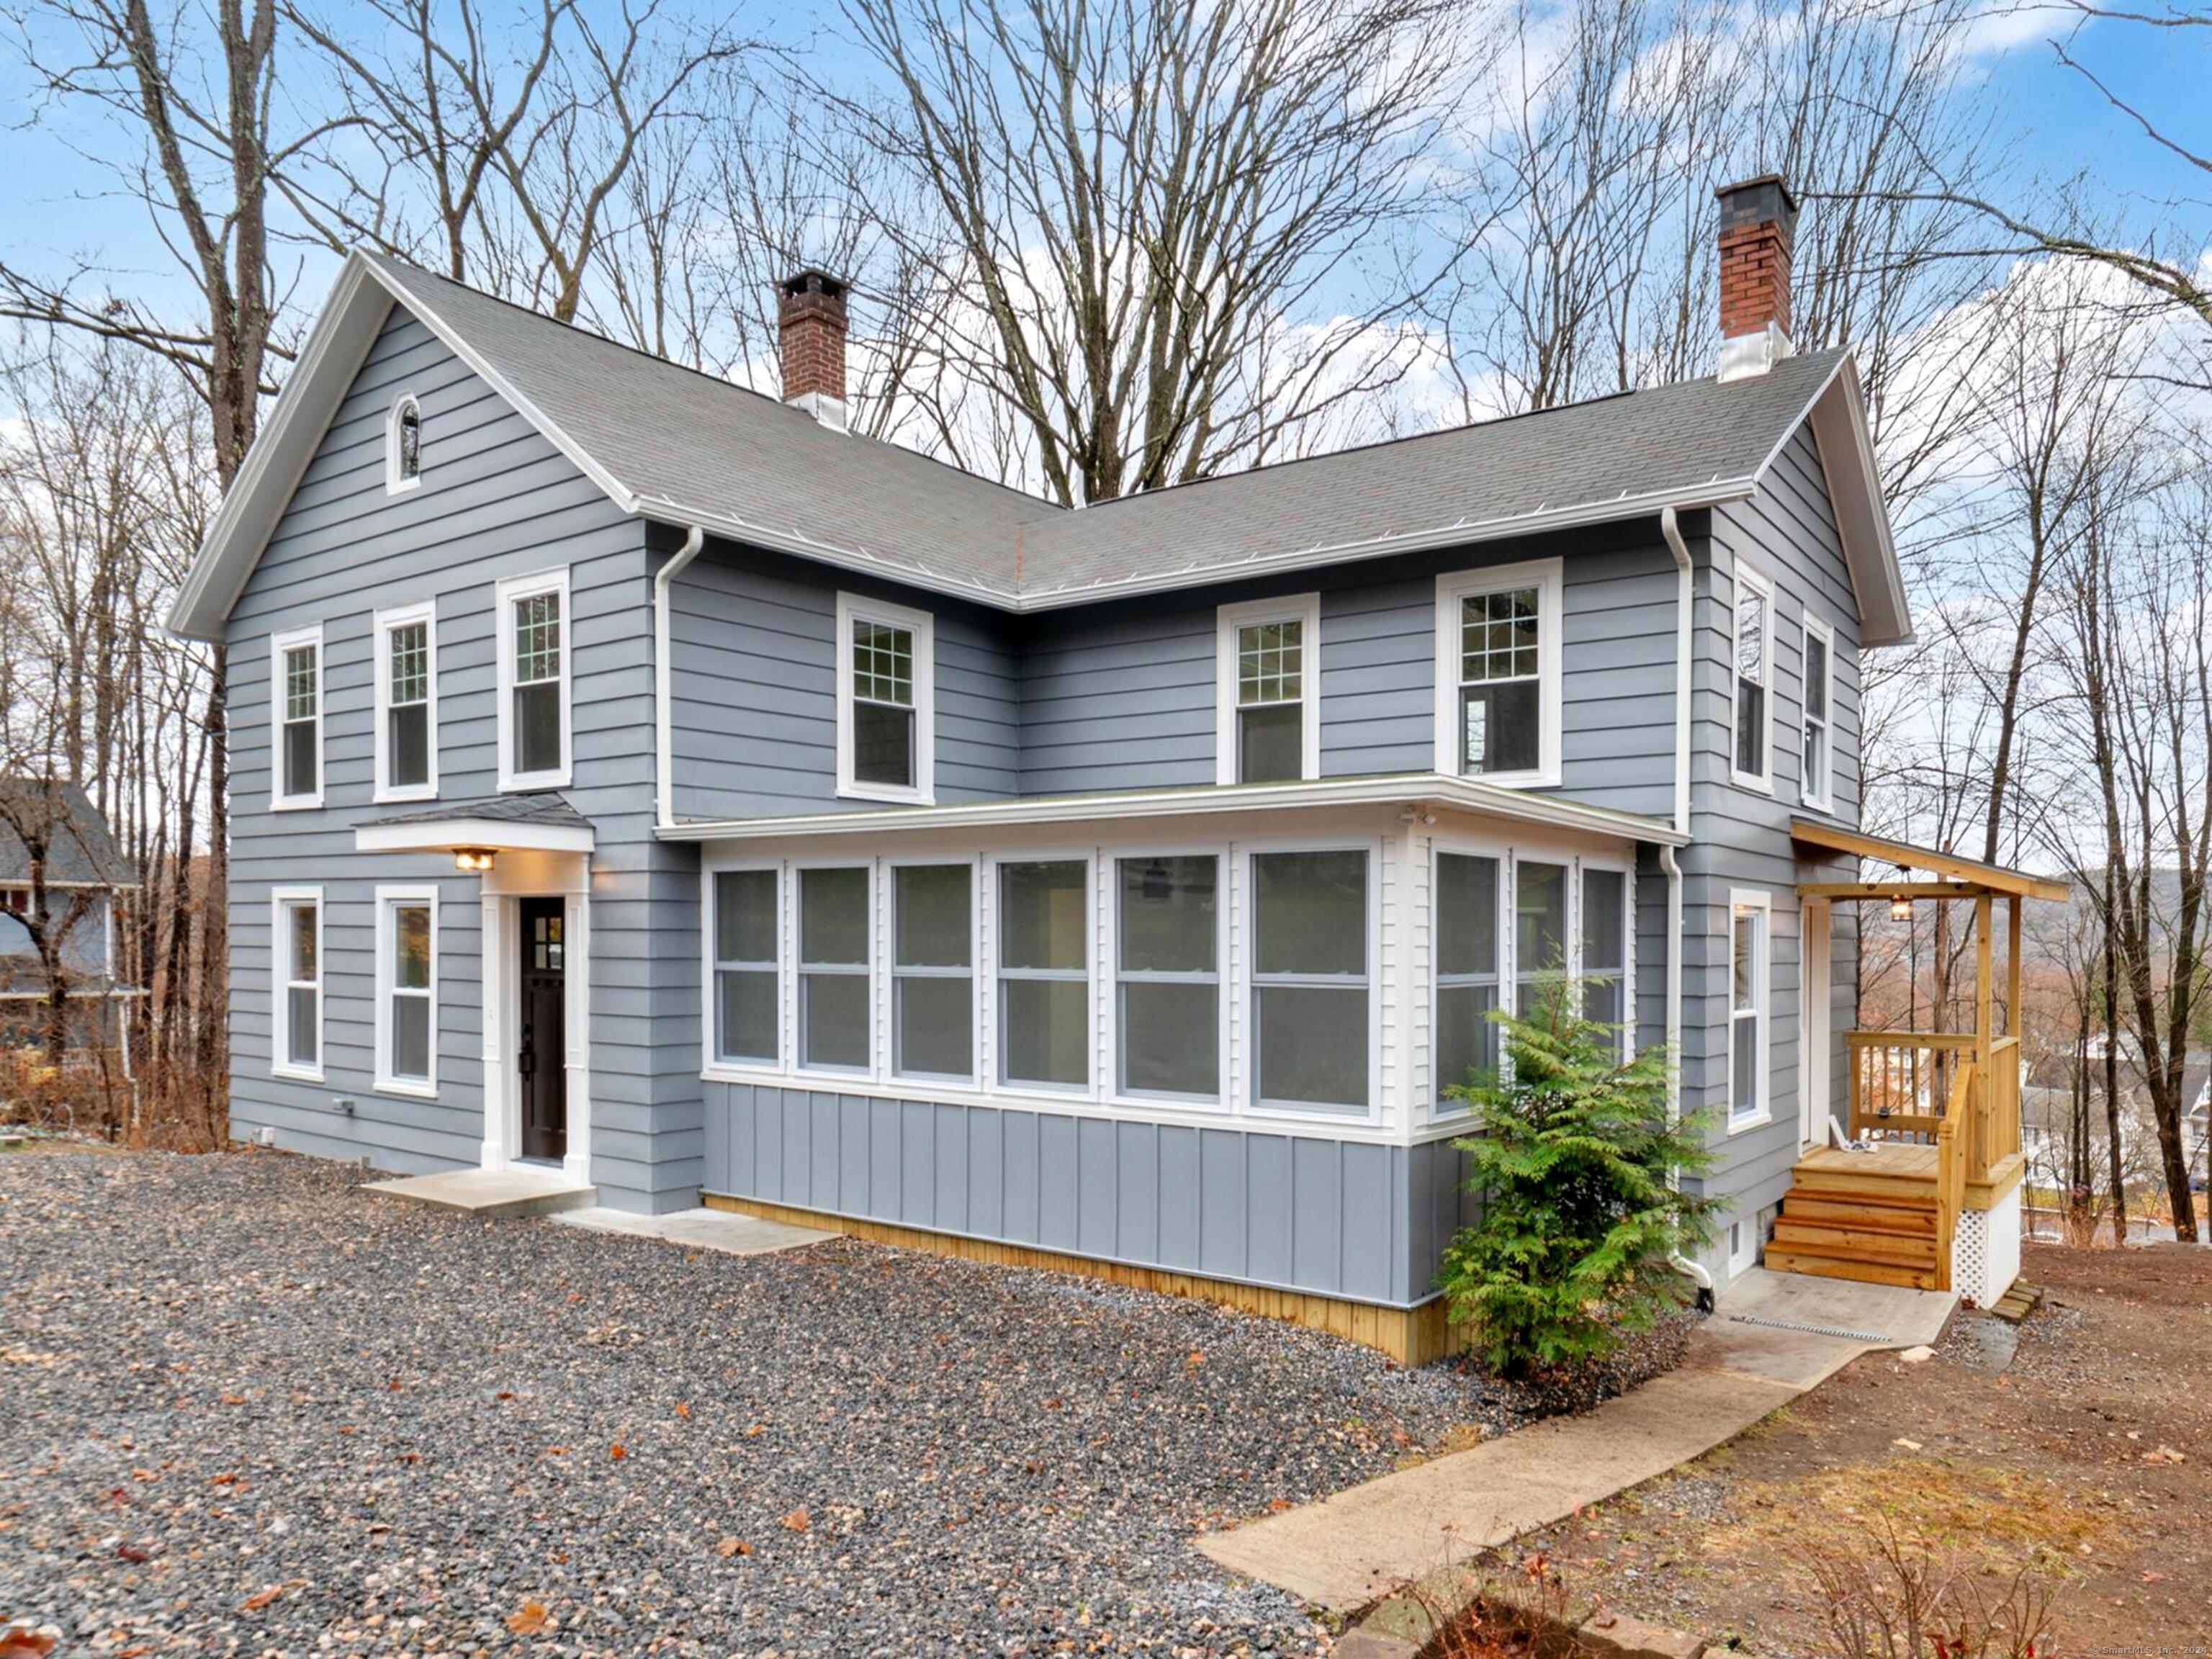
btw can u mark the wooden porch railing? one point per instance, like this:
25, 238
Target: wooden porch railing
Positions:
1899, 1082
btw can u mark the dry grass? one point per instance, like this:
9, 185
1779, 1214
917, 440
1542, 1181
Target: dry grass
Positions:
89, 1096
1987, 1515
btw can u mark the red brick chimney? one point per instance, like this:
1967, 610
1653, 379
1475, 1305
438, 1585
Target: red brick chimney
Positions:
1759, 223
811, 326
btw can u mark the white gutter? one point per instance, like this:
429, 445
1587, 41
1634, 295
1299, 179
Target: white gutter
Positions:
664, 773
1684, 597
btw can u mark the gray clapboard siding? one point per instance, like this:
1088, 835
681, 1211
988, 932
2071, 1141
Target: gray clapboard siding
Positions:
496, 500
1305, 1212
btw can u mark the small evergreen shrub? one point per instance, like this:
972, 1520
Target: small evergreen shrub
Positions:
1571, 1159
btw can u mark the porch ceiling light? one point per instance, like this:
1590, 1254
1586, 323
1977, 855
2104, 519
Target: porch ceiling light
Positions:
472, 860
1900, 907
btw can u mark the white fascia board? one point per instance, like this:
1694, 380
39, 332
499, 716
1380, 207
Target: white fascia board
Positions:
451, 834
351, 318
1410, 789
1845, 441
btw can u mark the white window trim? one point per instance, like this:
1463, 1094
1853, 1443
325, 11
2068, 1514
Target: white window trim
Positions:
394, 484
1441, 846
887, 991
1549, 577
1251, 1102
1762, 782
279, 980
793, 910
402, 616
388, 897
710, 1047
1747, 898
1626, 869
1303, 608
1109, 910
994, 933
1819, 793
852, 607
278, 645
509, 591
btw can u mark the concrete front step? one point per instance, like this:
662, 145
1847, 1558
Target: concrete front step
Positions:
494, 1194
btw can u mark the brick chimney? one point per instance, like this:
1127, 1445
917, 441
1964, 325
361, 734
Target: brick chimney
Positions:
811, 326
1759, 223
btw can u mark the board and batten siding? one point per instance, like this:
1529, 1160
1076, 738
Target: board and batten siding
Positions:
1788, 533
496, 500
1355, 1219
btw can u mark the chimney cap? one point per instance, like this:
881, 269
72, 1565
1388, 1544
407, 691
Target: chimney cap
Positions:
812, 279
1759, 183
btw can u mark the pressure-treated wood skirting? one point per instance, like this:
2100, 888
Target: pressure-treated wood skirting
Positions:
1411, 1336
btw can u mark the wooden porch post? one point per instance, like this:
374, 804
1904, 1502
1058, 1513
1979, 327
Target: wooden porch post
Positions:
2016, 1013
1985, 991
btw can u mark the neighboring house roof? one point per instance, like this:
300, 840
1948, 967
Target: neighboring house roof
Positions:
80, 850
679, 447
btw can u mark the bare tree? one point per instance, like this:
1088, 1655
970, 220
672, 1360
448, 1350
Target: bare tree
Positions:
1137, 196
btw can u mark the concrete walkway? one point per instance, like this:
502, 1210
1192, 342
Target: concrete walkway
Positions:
494, 1194
698, 1230
1349, 1550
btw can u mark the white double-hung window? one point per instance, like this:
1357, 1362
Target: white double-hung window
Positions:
534, 682
1754, 676
1750, 966
1819, 759
1312, 1023
933, 972
1044, 973
1167, 930
835, 1016
886, 693
297, 934
406, 704
407, 990
296, 675
1268, 691
747, 968
1498, 672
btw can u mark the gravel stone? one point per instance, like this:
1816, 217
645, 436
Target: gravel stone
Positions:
250, 1409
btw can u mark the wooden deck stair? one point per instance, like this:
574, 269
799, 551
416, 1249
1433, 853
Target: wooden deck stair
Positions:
1848, 1217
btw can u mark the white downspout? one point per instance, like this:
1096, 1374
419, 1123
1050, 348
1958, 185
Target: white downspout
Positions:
1684, 594
664, 778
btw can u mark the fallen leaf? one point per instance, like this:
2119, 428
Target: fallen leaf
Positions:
683, 1410
1278, 1504
533, 1621
733, 1547
131, 1553
616, 1451
17, 1643
1908, 1445
261, 1598
799, 1520
2165, 1454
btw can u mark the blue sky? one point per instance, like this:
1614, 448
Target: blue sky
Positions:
57, 208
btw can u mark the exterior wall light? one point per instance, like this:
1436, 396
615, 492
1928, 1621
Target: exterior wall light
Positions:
1900, 907
472, 860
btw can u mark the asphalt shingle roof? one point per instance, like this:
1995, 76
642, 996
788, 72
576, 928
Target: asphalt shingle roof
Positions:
80, 847
686, 444
539, 808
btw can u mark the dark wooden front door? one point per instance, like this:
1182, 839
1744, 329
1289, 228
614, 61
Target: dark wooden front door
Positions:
541, 1055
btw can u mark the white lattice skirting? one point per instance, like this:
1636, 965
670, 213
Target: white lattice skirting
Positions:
1985, 1250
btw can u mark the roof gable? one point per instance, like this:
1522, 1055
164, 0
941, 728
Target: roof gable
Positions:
81, 851
677, 447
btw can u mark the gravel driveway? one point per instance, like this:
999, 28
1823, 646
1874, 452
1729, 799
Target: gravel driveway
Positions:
244, 1408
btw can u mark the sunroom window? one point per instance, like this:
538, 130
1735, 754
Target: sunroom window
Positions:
1168, 922
1466, 968
833, 969
1539, 935
747, 977
1044, 974
1311, 1012
933, 972
1605, 948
